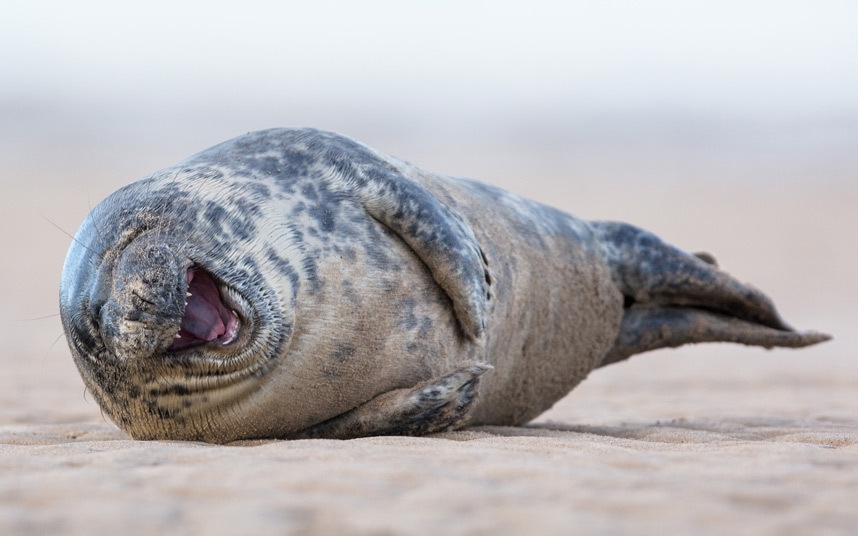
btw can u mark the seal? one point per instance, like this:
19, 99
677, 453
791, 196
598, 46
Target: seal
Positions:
295, 283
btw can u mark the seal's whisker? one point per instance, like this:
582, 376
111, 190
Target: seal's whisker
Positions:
36, 318
90, 216
51, 347
66, 233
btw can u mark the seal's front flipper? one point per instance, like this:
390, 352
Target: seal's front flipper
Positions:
433, 230
433, 406
674, 298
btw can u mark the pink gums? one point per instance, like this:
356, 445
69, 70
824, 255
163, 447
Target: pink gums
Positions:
206, 317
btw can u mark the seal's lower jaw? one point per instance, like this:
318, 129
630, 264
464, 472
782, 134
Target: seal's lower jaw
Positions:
191, 389
207, 317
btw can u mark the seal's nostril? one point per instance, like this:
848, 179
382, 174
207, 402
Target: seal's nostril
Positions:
148, 277
136, 300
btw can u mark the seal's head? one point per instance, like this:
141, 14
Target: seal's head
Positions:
167, 320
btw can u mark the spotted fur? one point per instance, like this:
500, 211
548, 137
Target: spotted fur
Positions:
373, 297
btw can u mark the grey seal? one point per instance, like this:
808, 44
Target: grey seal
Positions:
294, 283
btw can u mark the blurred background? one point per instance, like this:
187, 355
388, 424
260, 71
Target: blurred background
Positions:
727, 126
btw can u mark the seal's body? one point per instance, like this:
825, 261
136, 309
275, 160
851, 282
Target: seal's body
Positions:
295, 283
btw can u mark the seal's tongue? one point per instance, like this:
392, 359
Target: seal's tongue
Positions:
206, 318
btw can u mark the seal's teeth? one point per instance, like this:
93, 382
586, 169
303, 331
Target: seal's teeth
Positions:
177, 336
188, 294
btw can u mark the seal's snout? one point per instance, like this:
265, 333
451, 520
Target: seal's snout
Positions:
140, 314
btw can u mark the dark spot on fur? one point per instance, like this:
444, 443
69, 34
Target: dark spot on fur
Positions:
258, 190
309, 191
425, 326
298, 209
175, 389
343, 352
308, 264
349, 293
284, 267
267, 165
243, 218
214, 216
405, 312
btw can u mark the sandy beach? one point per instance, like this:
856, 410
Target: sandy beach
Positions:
724, 127
711, 439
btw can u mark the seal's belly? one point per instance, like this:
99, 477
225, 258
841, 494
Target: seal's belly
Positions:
549, 338
556, 311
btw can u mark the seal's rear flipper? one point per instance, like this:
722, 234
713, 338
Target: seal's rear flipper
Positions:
429, 407
674, 298
650, 328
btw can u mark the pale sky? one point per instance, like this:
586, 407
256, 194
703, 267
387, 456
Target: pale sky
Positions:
757, 57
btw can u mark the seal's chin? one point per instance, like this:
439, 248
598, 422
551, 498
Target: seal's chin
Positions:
207, 318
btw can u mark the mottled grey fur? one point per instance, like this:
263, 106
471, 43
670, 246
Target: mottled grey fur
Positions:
373, 297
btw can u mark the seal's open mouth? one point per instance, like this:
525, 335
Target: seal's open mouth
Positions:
206, 317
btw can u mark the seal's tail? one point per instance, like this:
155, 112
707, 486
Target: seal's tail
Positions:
674, 298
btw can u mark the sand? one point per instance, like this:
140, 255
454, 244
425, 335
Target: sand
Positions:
712, 439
